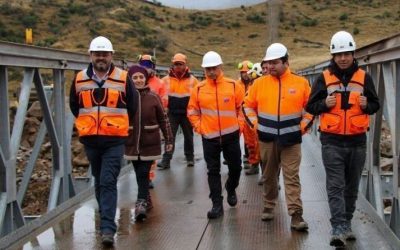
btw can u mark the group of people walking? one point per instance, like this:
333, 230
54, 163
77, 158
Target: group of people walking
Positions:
121, 113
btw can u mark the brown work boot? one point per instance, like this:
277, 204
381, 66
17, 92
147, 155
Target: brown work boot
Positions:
298, 222
267, 214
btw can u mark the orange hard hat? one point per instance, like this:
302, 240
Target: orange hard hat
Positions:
245, 66
179, 57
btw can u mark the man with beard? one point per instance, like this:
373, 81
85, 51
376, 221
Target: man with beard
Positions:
103, 100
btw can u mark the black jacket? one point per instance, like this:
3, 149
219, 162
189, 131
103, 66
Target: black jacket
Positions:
316, 103
130, 98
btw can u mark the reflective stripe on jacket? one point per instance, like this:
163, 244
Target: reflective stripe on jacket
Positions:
345, 121
179, 90
214, 107
276, 107
102, 110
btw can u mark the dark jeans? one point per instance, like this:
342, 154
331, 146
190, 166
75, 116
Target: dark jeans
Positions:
183, 121
343, 167
230, 147
106, 165
142, 170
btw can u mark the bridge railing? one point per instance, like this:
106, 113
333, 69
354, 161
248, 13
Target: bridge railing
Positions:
34, 64
381, 188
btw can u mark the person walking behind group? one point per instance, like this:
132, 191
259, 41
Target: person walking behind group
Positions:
244, 81
155, 83
343, 96
179, 83
144, 143
214, 111
274, 105
249, 134
103, 99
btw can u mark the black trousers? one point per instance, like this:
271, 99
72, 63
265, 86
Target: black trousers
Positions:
184, 123
142, 170
230, 147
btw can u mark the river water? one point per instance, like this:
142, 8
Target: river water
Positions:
208, 4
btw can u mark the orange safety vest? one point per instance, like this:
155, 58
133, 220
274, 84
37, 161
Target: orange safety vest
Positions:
214, 107
109, 117
276, 107
345, 122
179, 92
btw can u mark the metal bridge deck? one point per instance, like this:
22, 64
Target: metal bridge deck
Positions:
178, 219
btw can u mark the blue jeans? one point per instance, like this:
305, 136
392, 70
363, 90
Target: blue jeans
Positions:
106, 165
343, 167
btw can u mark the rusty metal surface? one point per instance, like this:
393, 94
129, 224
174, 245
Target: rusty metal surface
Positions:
179, 221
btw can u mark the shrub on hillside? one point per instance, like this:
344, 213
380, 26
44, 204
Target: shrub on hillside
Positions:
309, 22
255, 18
30, 20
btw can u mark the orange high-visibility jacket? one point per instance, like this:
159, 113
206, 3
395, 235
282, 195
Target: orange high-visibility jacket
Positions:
179, 90
275, 106
158, 87
108, 117
352, 120
214, 107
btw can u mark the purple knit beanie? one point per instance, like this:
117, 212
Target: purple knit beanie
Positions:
136, 68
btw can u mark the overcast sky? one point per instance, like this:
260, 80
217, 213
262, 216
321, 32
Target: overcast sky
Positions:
208, 4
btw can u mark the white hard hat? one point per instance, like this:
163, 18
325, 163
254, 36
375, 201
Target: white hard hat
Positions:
211, 59
256, 71
342, 41
101, 43
275, 51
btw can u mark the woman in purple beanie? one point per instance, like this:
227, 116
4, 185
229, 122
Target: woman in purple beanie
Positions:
143, 145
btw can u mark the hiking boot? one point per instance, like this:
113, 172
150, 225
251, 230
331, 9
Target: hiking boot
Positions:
253, 170
151, 184
140, 210
216, 211
107, 239
298, 222
337, 237
149, 203
164, 164
267, 214
348, 233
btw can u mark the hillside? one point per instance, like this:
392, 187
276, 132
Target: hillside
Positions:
137, 27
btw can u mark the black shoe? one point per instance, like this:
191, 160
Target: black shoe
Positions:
107, 239
164, 164
215, 212
232, 199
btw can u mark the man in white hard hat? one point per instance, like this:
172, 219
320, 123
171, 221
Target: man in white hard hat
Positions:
343, 96
214, 111
274, 106
103, 100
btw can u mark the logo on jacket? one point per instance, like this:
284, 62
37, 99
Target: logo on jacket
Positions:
226, 99
292, 91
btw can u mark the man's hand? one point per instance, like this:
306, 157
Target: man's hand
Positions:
362, 100
330, 101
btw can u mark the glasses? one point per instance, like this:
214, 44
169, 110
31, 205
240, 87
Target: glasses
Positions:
248, 64
147, 58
